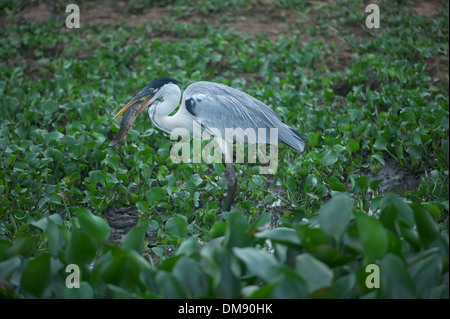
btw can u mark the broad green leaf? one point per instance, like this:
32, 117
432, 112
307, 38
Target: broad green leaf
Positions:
334, 216
225, 282
312, 237
177, 226
316, 274
363, 182
426, 226
21, 246
143, 206
313, 139
218, 229
191, 276
84, 292
395, 281
415, 151
380, 159
329, 157
343, 288
36, 274
49, 106
236, 233
286, 283
196, 179
426, 274
80, 249
94, 226
8, 266
394, 209
187, 247
373, 237
52, 136
410, 235
170, 286
335, 184
283, 235
135, 238
353, 145
43, 222
256, 261
380, 144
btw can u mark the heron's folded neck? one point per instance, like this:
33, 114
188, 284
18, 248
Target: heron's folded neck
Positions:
160, 111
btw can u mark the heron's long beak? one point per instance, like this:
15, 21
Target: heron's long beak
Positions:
136, 99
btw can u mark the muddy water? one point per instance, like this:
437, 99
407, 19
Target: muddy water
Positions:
395, 178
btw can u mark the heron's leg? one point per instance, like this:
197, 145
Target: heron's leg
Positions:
232, 182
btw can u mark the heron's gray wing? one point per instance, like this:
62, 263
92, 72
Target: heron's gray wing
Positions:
221, 107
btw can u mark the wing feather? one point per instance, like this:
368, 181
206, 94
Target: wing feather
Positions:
219, 106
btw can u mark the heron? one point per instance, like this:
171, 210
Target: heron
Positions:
217, 107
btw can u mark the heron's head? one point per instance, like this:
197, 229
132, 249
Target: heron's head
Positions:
151, 93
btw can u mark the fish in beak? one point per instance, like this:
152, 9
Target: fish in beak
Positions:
131, 110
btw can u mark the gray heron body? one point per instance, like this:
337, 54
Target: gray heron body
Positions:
217, 107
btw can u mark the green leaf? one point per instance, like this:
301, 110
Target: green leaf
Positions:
410, 235
236, 233
156, 195
282, 235
80, 249
43, 222
313, 139
335, 184
312, 237
94, 226
196, 179
434, 210
329, 157
343, 288
52, 136
187, 247
363, 182
224, 281
135, 238
218, 229
415, 151
97, 176
373, 237
394, 209
286, 283
256, 261
316, 274
380, 159
170, 286
334, 216
380, 143
191, 276
85, 291
426, 227
49, 106
21, 246
36, 274
8, 266
353, 145
177, 226
395, 282
426, 274
143, 206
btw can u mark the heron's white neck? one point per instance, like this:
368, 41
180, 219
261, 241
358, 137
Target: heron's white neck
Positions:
167, 100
